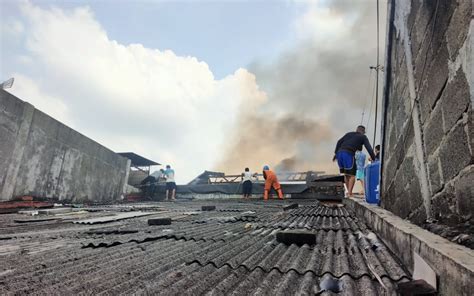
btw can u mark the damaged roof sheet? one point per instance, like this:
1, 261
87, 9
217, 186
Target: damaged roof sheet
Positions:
232, 250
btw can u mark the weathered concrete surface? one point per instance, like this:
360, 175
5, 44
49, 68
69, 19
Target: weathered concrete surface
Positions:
428, 140
40, 156
454, 264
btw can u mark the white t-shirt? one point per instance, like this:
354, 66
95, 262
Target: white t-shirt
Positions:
247, 176
156, 174
169, 173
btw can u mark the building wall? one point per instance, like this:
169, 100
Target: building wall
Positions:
428, 170
40, 156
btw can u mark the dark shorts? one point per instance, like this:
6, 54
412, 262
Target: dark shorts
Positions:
247, 187
346, 162
170, 185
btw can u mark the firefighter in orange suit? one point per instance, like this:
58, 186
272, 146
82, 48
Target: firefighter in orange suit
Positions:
271, 181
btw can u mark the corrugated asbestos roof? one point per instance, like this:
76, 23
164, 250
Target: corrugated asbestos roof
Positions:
230, 251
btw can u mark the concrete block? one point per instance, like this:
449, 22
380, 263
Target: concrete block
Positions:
464, 191
298, 237
469, 118
412, 17
458, 27
434, 78
423, 16
433, 131
414, 191
208, 208
434, 173
290, 206
454, 154
443, 206
418, 215
159, 221
455, 100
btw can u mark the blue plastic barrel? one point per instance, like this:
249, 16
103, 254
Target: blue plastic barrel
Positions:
372, 172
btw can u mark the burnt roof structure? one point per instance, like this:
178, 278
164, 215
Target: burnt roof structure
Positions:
231, 250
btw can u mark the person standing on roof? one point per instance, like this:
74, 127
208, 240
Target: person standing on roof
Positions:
271, 180
247, 183
170, 183
360, 163
377, 153
345, 151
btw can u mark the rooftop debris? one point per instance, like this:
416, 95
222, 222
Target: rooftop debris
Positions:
114, 218
416, 287
290, 206
159, 221
208, 208
298, 237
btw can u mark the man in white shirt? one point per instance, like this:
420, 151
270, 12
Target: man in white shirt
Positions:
247, 183
170, 183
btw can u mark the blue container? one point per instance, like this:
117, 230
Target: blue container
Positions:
372, 172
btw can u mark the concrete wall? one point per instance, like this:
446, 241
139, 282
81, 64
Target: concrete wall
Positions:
40, 156
428, 170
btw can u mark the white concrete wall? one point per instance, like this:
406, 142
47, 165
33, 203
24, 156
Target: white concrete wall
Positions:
40, 156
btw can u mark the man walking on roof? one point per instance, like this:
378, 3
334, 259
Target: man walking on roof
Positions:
345, 151
271, 180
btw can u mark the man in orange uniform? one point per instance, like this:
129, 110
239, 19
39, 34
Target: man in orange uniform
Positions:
271, 181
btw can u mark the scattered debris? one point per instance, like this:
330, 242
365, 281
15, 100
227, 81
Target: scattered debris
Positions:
371, 238
329, 284
118, 217
290, 206
298, 237
54, 211
416, 287
374, 241
191, 213
159, 221
34, 220
208, 208
461, 238
7, 207
110, 232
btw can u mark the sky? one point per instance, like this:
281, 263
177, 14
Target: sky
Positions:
216, 85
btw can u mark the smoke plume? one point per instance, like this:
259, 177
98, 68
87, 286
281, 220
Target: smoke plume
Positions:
312, 93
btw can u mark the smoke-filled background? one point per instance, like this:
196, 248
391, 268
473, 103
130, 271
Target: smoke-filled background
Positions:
312, 94
198, 85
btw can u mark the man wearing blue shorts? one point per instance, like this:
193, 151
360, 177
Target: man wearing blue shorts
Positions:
345, 151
